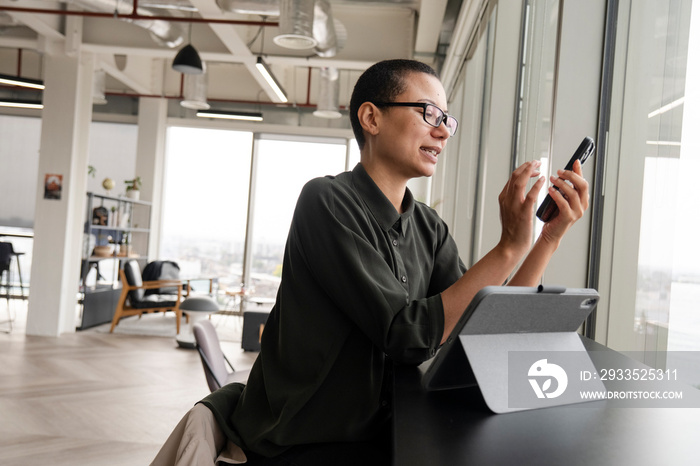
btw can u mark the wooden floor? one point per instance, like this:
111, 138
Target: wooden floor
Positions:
92, 398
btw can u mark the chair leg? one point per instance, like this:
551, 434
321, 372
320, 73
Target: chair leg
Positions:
178, 317
7, 297
115, 319
19, 273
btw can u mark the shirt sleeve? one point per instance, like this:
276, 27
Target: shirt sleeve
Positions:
334, 237
448, 266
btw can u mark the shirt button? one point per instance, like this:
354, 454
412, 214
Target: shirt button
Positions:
395, 243
403, 278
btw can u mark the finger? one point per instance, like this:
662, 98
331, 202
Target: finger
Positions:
516, 183
532, 168
578, 182
561, 202
565, 186
572, 176
535, 190
576, 173
574, 200
521, 176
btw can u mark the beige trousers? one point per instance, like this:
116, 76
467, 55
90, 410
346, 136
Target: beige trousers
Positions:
198, 440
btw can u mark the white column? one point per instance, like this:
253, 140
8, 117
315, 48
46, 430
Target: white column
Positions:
58, 224
150, 163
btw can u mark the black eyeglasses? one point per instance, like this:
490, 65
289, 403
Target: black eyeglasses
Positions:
431, 114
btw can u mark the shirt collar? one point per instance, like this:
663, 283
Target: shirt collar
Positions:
382, 209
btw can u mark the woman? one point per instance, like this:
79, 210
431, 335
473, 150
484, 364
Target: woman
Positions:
371, 278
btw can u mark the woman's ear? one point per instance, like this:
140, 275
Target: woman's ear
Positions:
369, 117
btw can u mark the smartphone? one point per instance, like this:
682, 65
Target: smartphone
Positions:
548, 209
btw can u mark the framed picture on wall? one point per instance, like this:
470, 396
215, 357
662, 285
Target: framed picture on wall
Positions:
52, 186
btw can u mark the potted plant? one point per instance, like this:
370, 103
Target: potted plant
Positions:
133, 187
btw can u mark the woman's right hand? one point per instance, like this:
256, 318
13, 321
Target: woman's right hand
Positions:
517, 207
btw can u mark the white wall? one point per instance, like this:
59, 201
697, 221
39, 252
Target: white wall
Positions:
112, 151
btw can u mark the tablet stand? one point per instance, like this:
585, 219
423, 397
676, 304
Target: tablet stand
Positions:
521, 347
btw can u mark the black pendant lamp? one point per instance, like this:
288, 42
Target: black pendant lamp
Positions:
187, 59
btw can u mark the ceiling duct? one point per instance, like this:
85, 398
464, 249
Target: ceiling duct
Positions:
194, 91
303, 24
296, 25
98, 88
251, 7
324, 30
165, 33
327, 106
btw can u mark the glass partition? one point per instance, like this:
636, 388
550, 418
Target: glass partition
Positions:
533, 126
654, 272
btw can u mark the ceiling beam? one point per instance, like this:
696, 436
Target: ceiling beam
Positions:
430, 19
43, 24
235, 44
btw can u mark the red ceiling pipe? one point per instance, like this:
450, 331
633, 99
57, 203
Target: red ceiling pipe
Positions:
229, 101
135, 16
232, 101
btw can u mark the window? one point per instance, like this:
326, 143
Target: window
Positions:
654, 272
205, 202
533, 130
206, 205
283, 167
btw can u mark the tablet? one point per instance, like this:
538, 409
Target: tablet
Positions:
554, 314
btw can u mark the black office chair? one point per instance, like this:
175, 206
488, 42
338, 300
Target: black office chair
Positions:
133, 300
161, 270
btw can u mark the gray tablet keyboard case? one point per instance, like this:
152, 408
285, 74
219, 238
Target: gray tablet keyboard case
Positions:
500, 320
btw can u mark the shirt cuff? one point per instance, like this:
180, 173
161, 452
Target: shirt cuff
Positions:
437, 322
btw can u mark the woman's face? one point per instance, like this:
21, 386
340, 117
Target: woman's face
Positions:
405, 141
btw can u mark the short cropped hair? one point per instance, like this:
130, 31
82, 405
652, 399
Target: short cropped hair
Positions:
382, 82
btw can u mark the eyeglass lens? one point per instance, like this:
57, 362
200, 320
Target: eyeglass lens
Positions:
434, 116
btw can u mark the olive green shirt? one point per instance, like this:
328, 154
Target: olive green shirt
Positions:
360, 291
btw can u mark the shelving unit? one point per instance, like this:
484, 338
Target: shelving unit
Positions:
123, 224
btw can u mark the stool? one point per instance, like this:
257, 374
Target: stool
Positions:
6, 253
196, 308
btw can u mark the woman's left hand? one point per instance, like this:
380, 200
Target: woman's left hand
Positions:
572, 200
